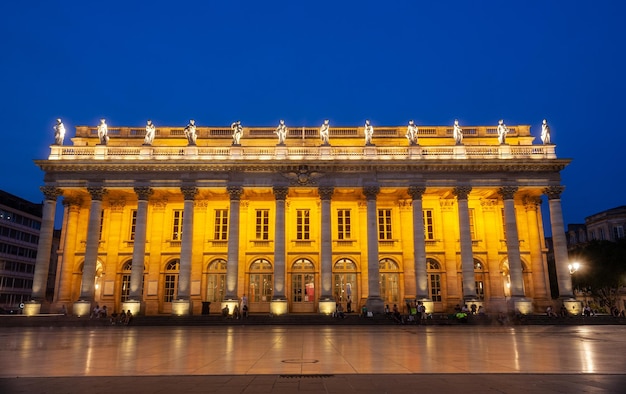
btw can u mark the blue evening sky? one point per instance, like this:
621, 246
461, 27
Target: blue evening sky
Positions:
304, 61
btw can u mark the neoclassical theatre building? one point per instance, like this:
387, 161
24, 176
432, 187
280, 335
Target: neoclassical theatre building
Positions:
295, 220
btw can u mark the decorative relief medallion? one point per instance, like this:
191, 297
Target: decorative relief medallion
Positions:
446, 204
488, 204
159, 205
117, 205
303, 176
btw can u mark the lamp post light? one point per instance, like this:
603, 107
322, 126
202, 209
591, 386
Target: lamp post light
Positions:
575, 266
573, 306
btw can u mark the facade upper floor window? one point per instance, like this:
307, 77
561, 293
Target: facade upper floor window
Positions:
472, 223
133, 224
429, 227
177, 225
618, 232
221, 224
384, 224
343, 224
262, 224
303, 226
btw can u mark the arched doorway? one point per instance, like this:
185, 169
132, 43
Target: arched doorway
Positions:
389, 282
480, 278
216, 281
436, 286
260, 285
345, 285
170, 285
303, 286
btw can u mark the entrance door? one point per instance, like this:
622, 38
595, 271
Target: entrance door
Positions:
303, 286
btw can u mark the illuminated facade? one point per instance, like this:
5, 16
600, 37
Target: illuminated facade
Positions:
162, 226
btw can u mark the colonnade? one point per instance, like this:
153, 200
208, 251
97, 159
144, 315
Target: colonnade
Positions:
374, 300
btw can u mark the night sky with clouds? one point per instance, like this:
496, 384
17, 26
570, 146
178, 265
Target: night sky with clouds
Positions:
306, 61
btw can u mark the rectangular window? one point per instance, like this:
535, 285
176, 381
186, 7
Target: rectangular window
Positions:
177, 225
170, 287
133, 224
125, 293
480, 289
435, 287
262, 224
343, 224
221, 224
472, 223
384, 224
429, 228
618, 232
101, 224
303, 229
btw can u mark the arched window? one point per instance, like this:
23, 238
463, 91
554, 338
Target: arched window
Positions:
479, 278
344, 281
389, 281
125, 282
303, 281
261, 281
434, 279
171, 280
216, 280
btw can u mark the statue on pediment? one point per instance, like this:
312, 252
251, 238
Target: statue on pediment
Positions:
502, 132
369, 132
411, 133
325, 132
59, 132
103, 132
545, 133
237, 129
281, 132
190, 132
457, 132
150, 132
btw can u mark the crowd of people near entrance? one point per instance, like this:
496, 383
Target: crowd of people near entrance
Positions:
122, 318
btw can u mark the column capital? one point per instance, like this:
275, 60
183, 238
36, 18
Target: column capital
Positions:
235, 192
97, 192
189, 192
531, 202
416, 192
143, 192
507, 192
461, 192
51, 193
280, 192
72, 202
325, 192
553, 192
370, 192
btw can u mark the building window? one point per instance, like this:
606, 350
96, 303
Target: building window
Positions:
618, 232
303, 224
343, 224
261, 281
344, 278
216, 280
429, 228
101, 225
133, 224
503, 223
472, 223
221, 224
434, 279
389, 281
125, 289
479, 279
177, 225
303, 281
262, 224
171, 280
384, 224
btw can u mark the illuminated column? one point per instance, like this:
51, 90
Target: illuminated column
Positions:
326, 194
63, 284
467, 257
512, 241
280, 192
139, 244
419, 243
42, 263
559, 242
540, 279
232, 265
184, 279
87, 291
374, 302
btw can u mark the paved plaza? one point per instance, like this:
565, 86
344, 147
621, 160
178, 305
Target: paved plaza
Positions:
318, 359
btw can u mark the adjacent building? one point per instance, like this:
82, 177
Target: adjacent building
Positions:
297, 220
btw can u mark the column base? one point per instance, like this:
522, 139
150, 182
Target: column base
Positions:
279, 307
573, 306
375, 305
81, 308
326, 306
523, 305
133, 306
181, 307
32, 308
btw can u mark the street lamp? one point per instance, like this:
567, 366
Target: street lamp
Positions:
573, 267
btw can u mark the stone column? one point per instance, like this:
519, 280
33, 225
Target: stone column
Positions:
467, 257
42, 263
374, 302
561, 257
139, 248
279, 301
539, 266
419, 243
87, 291
184, 279
512, 241
63, 283
327, 300
232, 265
